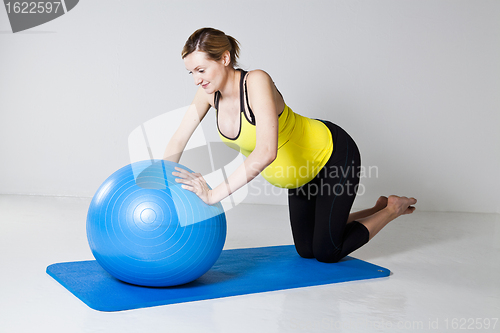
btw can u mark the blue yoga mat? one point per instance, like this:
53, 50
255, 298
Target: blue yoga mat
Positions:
236, 272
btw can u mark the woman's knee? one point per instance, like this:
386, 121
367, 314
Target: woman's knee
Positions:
327, 256
304, 251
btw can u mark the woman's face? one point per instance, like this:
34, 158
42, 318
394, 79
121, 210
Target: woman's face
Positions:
206, 72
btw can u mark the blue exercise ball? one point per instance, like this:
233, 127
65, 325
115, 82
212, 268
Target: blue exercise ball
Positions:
145, 229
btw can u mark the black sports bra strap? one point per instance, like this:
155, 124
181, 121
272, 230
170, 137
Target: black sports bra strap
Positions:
242, 105
252, 116
216, 100
243, 85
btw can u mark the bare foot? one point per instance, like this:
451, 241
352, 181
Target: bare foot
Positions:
401, 205
380, 204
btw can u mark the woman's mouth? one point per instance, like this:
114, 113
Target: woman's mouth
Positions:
204, 85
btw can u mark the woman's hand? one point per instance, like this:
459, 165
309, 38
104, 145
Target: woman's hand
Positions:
195, 183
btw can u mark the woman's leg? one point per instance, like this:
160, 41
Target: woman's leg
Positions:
301, 209
396, 206
321, 224
337, 185
379, 205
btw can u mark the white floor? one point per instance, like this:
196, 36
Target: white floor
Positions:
445, 277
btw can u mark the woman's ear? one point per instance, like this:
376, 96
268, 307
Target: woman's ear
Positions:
226, 58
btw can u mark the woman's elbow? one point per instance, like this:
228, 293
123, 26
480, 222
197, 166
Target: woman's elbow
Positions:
264, 156
270, 155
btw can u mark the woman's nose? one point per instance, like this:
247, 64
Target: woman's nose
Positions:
197, 80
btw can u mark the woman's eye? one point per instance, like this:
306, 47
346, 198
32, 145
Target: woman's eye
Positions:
201, 71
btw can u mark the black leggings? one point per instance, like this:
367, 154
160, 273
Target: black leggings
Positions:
320, 208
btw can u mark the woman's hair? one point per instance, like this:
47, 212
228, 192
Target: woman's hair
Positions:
214, 43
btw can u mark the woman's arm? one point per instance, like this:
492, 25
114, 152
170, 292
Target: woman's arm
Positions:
261, 99
262, 102
194, 115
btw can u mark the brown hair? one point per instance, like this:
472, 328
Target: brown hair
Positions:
214, 43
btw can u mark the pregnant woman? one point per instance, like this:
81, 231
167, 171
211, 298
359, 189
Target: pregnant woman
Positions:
316, 160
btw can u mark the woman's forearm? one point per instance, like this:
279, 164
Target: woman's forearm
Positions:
248, 170
173, 151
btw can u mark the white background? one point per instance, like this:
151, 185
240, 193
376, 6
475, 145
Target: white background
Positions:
416, 83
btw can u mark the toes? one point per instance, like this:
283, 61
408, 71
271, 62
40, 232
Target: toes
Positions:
410, 201
409, 210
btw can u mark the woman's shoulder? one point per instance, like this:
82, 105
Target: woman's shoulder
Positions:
259, 81
202, 96
258, 76
261, 89
202, 99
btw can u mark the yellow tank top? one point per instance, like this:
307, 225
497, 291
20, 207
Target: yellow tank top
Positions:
304, 145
